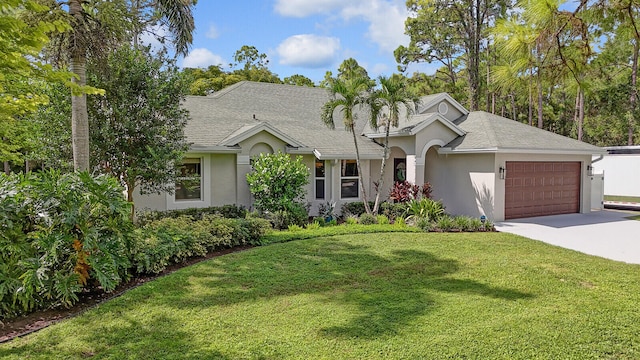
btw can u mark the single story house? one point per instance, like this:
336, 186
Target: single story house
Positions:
477, 163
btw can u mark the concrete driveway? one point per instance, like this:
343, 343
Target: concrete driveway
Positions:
607, 233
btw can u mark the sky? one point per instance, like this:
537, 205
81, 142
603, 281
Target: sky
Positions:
306, 37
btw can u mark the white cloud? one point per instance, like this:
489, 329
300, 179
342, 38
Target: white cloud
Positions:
201, 58
308, 50
385, 17
212, 32
303, 8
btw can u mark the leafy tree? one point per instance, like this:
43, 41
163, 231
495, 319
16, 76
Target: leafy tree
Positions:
347, 93
52, 129
445, 30
254, 65
22, 72
137, 127
623, 17
277, 181
299, 80
386, 104
99, 26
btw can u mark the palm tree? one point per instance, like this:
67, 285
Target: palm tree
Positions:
346, 94
387, 103
83, 41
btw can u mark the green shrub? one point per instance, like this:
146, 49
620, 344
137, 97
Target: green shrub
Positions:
425, 208
295, 214
277, 181
60, 234
227, 211
476, 224
351, 220
320, 220
444, 223
367, 219
462, 223
382, 220
400, 221
488, 225
167, 241
424, 224
295, 228
313, 226
393, 210
355, 208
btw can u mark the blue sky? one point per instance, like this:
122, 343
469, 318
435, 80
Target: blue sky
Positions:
306, 37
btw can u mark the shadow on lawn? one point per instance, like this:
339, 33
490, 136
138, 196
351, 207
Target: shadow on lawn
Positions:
387, 291
158, 337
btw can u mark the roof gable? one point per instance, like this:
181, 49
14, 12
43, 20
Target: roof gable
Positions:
248, 131
430, 101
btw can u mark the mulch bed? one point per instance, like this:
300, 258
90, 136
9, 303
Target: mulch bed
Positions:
23, 325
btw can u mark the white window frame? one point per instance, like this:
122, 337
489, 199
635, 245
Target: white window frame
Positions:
205, 186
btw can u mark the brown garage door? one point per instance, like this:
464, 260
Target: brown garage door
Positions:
541, 188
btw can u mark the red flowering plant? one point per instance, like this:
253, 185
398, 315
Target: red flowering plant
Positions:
404, 191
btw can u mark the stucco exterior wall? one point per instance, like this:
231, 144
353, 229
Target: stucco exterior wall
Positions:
452, 113
434, 134
464, 183
223, 179
150, 201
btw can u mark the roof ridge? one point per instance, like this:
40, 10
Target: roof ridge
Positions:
227, 89
490, 124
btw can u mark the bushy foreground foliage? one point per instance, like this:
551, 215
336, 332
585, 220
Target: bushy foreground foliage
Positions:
63, 234
59, 235
277, 183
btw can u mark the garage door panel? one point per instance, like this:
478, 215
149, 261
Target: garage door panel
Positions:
541, 188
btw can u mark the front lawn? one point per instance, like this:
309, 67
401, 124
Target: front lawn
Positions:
367, 296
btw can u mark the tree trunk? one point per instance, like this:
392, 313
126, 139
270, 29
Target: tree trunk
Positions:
530, 114
7, 168
382, 166
363, 191
130, 188
579, 112
79, 115
633, 97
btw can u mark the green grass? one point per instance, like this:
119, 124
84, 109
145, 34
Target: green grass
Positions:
622, 198
367, 296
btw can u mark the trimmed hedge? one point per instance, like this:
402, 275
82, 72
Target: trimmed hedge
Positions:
175, 240
226, 211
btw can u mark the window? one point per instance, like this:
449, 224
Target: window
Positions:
320, 176
348, 179
189, 180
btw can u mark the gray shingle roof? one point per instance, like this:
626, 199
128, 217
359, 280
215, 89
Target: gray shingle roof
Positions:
486, 131
293, 110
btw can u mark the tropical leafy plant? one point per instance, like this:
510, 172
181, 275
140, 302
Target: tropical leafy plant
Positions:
60, 234
424, 208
